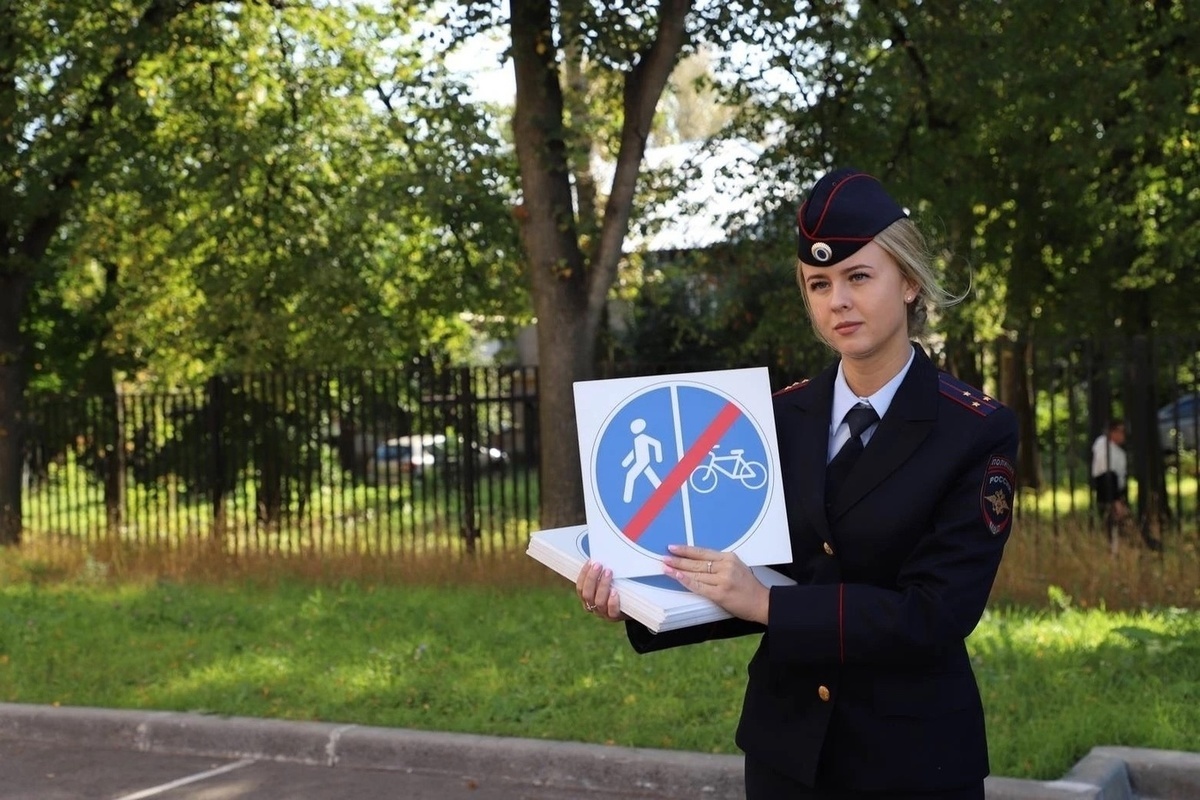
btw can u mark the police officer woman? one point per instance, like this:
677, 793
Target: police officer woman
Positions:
898, 481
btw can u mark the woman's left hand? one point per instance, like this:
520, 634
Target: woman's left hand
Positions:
722, 578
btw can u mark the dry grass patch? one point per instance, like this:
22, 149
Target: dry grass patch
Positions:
1077, 560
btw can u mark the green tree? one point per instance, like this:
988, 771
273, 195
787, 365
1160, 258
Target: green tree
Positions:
573, 234
67, 98
320, 197
195, 187
1047, 145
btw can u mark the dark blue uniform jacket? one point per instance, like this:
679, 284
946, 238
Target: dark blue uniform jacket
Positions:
862, 679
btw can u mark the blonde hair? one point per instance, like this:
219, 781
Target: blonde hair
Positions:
905, 243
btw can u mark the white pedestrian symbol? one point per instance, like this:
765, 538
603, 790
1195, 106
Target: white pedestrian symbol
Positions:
638, 459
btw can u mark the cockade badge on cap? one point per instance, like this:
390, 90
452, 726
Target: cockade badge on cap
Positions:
844, 211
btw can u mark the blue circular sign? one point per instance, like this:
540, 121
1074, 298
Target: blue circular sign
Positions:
681, 463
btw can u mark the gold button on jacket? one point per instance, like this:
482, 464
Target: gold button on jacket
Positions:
823, 693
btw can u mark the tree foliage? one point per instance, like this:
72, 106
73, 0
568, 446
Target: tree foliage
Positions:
195, 187
191, 187
1048, 145
573, 235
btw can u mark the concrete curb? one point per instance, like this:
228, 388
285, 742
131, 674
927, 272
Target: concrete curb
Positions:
534, 762
1164, 774
1106, 773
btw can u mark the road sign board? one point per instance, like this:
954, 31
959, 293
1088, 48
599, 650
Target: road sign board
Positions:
680, 459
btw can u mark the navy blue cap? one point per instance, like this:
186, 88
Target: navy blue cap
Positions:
843, 211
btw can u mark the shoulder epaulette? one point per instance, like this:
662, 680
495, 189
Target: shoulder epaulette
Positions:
793, 387
966, 395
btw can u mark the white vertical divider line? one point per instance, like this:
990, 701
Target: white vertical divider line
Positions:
683, 487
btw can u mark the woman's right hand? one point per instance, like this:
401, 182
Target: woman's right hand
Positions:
596, 591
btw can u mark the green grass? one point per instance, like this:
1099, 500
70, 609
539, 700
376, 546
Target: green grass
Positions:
507, 651
1056, 683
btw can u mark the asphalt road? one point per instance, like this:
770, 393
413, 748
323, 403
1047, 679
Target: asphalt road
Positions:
46, 771
49, 753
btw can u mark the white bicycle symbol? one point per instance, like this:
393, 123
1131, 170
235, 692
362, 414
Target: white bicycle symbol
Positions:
752, 474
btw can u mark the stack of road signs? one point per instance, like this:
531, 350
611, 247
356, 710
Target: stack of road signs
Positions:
691, 459
658, 602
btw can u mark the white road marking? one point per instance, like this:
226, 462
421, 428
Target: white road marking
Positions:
199, 776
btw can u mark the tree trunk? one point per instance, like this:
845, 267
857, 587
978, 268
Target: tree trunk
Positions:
1147, 465
14, 286
1016, 393
565, 355
555, 263
569, 289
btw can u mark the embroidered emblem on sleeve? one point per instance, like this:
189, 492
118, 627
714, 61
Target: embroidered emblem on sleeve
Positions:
996, 494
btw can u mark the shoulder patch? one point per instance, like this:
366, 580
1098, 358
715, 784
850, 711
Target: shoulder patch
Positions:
793, 387
997, 493
966, 395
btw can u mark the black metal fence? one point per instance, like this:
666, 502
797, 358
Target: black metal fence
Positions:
398, 461
1067, 391
380, 461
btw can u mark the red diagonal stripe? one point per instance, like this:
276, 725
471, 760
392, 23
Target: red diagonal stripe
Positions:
680, 472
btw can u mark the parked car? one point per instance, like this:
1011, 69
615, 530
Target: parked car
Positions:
426, 455
1177, 423
405, 455
486, 458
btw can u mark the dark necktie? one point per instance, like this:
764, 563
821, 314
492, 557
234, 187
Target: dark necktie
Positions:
859, 419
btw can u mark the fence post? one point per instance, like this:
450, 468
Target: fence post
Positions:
112, 459
214, 419
1143, 427
468, 459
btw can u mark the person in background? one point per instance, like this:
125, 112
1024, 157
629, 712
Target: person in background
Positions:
1110, 472
899, 484
1110, 481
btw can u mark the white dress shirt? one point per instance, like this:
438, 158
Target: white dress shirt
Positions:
844, 400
